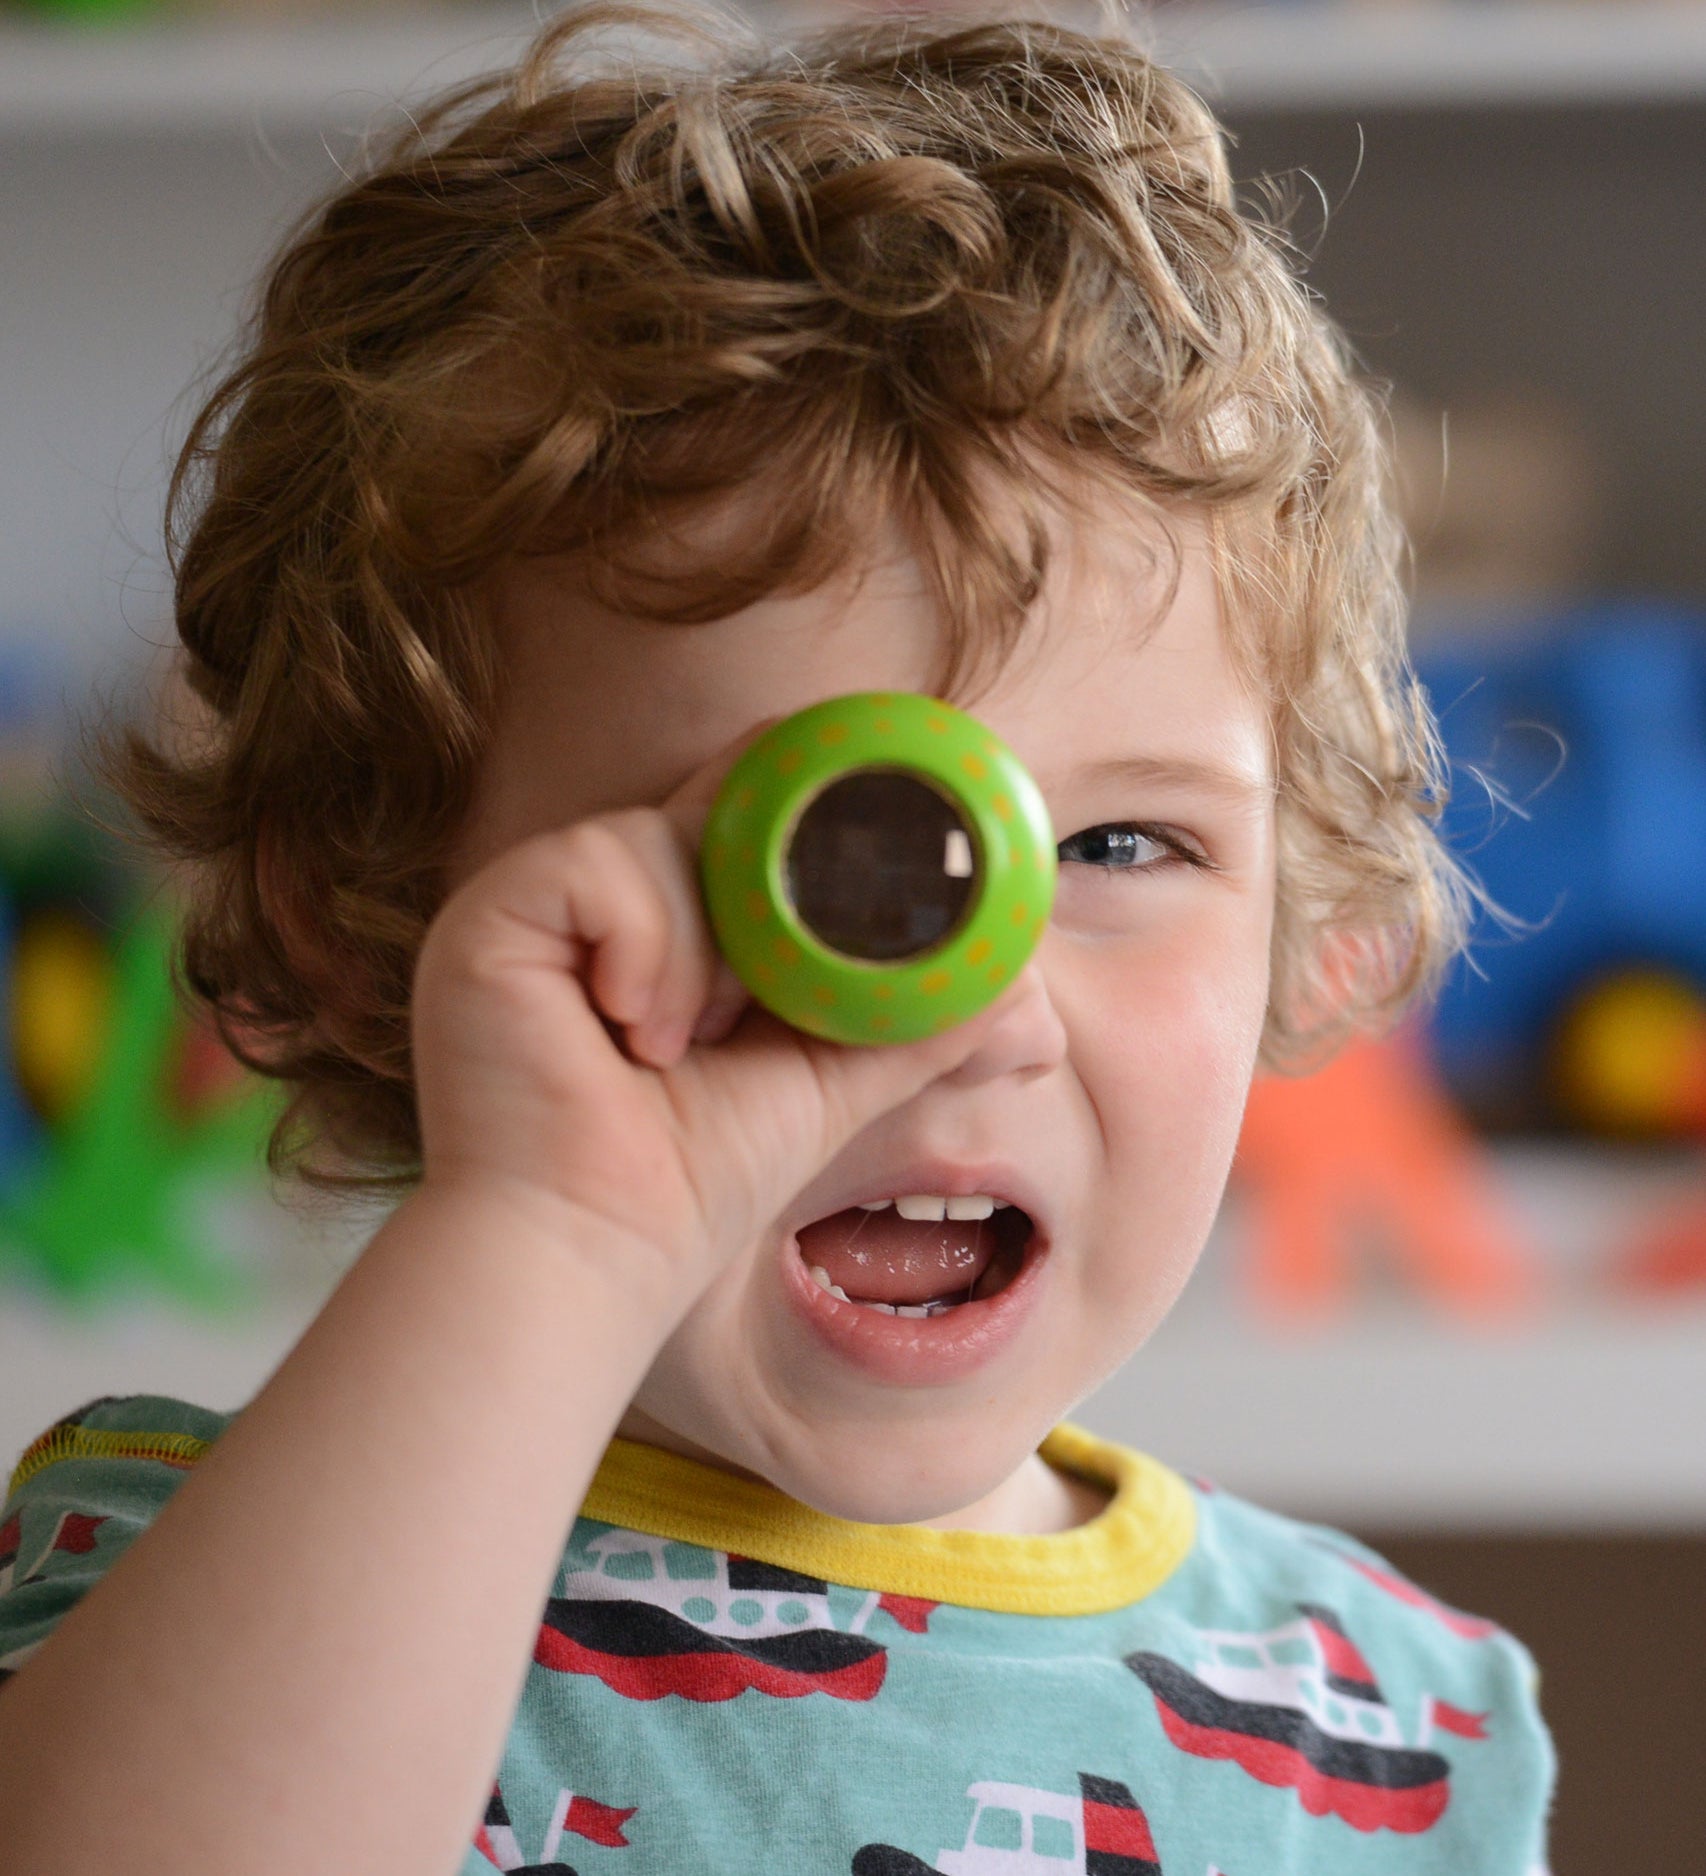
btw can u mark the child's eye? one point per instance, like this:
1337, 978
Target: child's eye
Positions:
1128, 847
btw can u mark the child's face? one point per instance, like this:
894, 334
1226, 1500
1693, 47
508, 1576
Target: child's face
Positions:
1114, 1092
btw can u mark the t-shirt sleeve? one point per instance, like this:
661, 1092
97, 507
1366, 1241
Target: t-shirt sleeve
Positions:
79, 1497
1416, 1723
1493, 1728
1472, 1691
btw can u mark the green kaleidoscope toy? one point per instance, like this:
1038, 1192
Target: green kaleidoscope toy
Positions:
878, 867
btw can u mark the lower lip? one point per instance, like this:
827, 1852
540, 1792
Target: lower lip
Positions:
916, 1351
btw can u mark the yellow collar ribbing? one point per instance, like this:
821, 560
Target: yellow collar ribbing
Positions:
1140, 1538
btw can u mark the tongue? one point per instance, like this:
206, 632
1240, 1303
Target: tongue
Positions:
880, 1257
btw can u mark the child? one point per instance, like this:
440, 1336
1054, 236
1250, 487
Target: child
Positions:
607, 1518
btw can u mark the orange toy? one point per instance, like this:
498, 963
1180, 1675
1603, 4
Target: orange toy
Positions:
1370, 1146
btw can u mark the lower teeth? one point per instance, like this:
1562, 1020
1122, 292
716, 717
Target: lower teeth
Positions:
896, 1309
938, 1307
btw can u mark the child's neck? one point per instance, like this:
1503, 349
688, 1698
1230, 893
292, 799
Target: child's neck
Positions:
1035, 1501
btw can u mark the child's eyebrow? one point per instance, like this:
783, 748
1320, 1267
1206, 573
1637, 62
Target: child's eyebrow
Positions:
1188, 774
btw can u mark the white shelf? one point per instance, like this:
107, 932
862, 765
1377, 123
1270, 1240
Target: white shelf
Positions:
311, 74
1593, 1419
340, 74
1441, 52
1590, 1416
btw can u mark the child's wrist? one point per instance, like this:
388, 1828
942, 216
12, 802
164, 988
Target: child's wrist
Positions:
492, 1210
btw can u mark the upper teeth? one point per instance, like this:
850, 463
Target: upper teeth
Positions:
937, 1205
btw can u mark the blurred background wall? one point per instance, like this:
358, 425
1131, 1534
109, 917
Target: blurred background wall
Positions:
1457, 1300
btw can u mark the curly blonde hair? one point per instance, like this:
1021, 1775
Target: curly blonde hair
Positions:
870, 270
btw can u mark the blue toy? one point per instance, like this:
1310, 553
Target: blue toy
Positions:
1591, 730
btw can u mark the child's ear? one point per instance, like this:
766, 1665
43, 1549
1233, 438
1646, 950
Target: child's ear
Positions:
1338, 989
1344, 962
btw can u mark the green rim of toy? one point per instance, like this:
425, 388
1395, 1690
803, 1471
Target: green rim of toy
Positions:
782, 962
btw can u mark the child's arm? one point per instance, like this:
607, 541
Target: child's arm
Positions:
311, 1659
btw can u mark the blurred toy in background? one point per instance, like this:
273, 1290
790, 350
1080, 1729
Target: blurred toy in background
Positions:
1576, 735
1591, 831
1368, 1156
1630, 1056
88, 12
1666, 1256
97, 1201
119, 1114
1576, 732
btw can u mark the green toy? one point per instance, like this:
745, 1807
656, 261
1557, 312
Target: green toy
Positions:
107, 1199
878, 867
93, 12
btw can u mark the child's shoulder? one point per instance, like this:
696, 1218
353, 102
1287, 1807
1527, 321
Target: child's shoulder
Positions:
111, 1462
78, 1496
1247, 1549
114, 1435
1300, 1654
131, 1414
1290, 1587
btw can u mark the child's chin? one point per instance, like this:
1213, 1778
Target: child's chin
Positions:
894, 1487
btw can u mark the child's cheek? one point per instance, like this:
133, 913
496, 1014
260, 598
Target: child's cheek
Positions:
1177, 1006
1165, 1049
1168, 1081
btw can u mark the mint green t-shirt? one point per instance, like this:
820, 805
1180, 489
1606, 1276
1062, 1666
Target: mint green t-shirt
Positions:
725, 1682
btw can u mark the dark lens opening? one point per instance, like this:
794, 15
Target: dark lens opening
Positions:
881, 865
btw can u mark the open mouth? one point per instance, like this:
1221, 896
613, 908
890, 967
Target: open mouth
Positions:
919, 1256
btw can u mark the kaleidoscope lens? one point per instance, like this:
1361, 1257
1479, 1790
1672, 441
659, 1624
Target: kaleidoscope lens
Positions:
878, 867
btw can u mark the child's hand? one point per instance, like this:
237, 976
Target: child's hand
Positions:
695, 1135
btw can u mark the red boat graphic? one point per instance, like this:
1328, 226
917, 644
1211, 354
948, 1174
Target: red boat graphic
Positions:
73, 1532
11, 1536
572, 1814
651, 1618
1299, 1706
1019, 1830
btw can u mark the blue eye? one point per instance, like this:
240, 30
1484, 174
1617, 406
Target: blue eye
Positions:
1125, 847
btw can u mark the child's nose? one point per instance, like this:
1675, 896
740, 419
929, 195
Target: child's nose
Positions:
1027, 1039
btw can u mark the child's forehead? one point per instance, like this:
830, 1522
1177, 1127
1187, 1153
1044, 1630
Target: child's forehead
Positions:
1122, 642
1107, 569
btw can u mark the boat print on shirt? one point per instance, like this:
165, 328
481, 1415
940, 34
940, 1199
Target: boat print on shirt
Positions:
573, 1814
73, 1533
1299, 1706
650, 1618
1020, 1830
